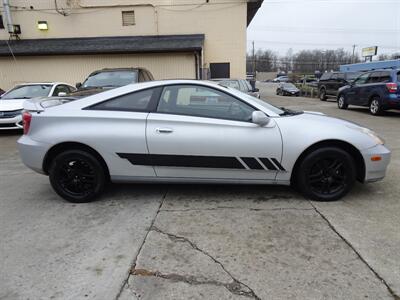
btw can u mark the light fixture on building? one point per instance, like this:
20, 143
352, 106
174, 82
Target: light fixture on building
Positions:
42, 25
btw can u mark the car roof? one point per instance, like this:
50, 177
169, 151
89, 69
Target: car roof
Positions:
131, 88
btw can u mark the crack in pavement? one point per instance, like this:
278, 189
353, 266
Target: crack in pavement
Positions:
395, 297
133, 264
233, 207
236, 287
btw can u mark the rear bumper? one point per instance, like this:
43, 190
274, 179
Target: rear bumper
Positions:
32, 153
11, 123
392, 101
376, 170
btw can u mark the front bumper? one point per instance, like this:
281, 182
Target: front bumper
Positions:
375, 170
11, 123
32, 153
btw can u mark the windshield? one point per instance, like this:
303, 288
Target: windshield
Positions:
268, 106
28, 91
110, 79
289, 85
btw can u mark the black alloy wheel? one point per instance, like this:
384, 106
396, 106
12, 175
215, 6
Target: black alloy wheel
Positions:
77, 176
326, 174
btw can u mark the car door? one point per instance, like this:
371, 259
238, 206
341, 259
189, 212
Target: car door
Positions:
354, 93
202, 132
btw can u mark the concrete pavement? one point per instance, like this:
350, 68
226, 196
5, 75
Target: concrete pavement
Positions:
202, 242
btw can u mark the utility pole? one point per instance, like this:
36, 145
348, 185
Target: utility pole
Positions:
254, 61
352, 57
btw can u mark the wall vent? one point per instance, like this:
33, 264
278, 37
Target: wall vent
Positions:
128, 18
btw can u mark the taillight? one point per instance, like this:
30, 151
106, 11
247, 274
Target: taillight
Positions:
392, 87
26, 120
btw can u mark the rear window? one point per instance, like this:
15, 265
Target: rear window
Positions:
352, 75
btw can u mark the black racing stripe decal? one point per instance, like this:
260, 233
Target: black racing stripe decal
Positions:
193, 161
276, 162
267, 163
252, 163
136, 159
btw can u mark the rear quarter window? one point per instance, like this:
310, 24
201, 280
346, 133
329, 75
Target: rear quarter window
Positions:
398, 76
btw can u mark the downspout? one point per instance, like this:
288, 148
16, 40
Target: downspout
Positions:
7, 14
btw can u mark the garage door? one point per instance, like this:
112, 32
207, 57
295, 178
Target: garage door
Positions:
72, 69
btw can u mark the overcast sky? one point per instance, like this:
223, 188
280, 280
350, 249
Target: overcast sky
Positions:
326, 24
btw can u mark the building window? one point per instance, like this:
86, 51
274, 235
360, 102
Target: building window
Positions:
220, 70
1, 22
128, 18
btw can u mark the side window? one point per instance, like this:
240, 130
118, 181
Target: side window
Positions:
374, 77
362, 79
398, 76
201, 101
340, 76
148, 76
334, 76
137, 101
385, 77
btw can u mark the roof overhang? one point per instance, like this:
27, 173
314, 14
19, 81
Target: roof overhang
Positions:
252, 8
103, 45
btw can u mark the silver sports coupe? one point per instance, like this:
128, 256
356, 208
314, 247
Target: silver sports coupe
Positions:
197, 132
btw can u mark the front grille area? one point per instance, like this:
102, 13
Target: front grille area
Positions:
9, 125
9, 114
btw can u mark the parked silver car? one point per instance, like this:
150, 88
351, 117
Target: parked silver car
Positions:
193, 131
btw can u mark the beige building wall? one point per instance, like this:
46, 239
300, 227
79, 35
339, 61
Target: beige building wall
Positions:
72, 69
222, 21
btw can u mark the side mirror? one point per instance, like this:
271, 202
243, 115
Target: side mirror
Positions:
78, 85
259, 118
62, 94
256, 90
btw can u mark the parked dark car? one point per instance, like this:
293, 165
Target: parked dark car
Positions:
239, 84
330, 82
105, 79
1, 92
378, 89
287, 89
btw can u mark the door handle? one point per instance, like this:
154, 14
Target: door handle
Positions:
164, 130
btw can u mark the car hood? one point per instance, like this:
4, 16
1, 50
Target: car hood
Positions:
11, 104
88, 91
314, 126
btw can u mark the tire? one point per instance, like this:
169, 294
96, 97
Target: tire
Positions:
77, 176
326, 174
277, 92
322, 94
281, 93
375, 106
341, 102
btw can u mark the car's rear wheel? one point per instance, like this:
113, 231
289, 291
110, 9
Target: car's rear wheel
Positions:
322, 94
375, 106
342, 104
326, 174
77, 176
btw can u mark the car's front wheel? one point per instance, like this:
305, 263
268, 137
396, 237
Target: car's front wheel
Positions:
326, 174
342, 104
77, 176
322, 95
